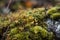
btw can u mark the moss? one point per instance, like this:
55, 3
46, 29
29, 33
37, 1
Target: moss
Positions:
14, 31
53, 10
27, 25
50, 36
55, 16
21, 36
38, 29
17, 37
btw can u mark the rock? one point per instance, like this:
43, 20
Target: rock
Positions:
6, 10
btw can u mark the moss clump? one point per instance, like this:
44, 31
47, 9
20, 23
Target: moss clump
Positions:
39, 29
53, 10
27, 25
55, 16
14, 31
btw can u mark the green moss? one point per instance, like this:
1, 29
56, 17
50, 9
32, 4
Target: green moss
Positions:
18, 37
13, 31
55, 16
29, 24
50, 36
21, 36
38, 29
53, 10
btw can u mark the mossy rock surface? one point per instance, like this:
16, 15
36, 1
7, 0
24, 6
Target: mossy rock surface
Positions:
27, 25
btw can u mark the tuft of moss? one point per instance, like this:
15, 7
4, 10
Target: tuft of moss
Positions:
55, 16
53, 10
14, 31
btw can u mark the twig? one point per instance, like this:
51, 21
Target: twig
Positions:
4, 34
